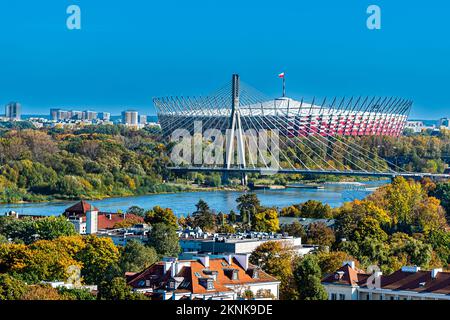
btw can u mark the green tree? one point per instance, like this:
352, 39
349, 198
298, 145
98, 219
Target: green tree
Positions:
307, 275
10, 288
135, 257
164, 239
117, 289
136, 210
248, 204
204, 218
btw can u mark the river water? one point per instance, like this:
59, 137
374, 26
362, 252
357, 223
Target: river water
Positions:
184, 203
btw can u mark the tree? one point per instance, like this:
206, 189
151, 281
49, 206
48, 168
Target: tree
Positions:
164, 239
54, 227
318, 233
232, 218
329, 262
99, 256
29, 230
415, 251
75, 294
117, 289
315, 209
41, 292
266, 221
135, 257
307, 275
160, 215
442, 192
204, 218
136, 210
291, 211
275, 258
294, 229
10, 288
248, 204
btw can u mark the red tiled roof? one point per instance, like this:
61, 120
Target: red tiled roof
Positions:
350, 276
194, 272
419, 281
80, 208
108, 220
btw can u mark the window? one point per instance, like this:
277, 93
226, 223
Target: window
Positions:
235, 275
197, 274
341, 296
368, 297
333, 296
210, 285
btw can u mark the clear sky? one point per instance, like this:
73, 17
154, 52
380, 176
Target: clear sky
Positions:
130, 51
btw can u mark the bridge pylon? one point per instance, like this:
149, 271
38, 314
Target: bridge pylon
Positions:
235, 130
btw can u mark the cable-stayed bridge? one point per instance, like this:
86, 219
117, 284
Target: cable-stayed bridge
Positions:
283, 136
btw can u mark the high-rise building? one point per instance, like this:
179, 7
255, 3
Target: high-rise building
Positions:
54, 114
13, 111
142, 119
89, 115
130, 117
105, 116
77, 115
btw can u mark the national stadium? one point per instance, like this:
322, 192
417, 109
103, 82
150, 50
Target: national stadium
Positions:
348, 116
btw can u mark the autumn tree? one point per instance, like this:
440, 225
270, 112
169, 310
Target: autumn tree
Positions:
160, 215
275, 258
318, 233
98, 257
266, 221
11, 288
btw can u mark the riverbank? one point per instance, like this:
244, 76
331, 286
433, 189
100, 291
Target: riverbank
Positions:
220, 199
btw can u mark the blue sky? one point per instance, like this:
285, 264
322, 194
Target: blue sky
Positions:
130, 51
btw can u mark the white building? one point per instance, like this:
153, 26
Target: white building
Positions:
408, 283
205, 278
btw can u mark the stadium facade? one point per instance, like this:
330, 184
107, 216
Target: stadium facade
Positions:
363, 116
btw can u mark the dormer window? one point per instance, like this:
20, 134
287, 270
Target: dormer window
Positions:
233, 274
172, 285
255, 274
207, 283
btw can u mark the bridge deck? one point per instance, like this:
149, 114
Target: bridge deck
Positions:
265, 171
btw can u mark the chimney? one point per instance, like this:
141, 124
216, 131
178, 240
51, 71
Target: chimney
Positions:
435, 272
229, 259
109, 216
242, 259
350, 263
204, 260
174, 269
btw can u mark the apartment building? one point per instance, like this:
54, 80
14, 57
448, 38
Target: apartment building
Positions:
227, 277
407, 283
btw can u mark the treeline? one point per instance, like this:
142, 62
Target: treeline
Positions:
93, 162
400, 224
34, 252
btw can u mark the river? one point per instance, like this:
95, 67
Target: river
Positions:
183, 203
